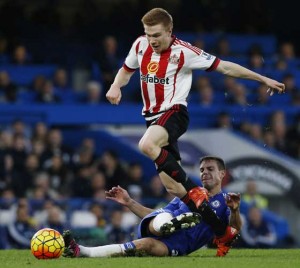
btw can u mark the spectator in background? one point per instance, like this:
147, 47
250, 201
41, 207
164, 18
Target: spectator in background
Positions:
41, 189
38, 83
115, 232
93, 93
55, 219
279, 128
109, 60
255, 133
135, 175
201, 81
18, 154
262, 96
280, 65
98, 185
269, 139
237, 95
8, 90
61, 80
47, 94
252, 197
290, 83
21, 55
40, 131
38, 148
55, 146
256, 232
86, 154
256, 59
32, 168
81, 183
229, 83
205, 95
156, 190
7, 206
20, 231
19, 127
98, 210
224, 121
111, 167
287, 51
223, 48
59, 175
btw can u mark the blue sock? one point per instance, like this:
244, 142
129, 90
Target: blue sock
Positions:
129, 246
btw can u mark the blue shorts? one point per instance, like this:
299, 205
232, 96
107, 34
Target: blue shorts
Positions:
182, 242
186, 241
143, 226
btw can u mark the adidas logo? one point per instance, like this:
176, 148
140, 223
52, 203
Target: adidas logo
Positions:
140, 52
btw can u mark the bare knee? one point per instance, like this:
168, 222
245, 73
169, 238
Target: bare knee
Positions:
151, 246
148, 147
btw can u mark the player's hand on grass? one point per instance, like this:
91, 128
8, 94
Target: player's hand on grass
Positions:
119, 195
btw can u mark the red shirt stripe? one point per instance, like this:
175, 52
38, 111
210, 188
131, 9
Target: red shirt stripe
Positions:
161, 73
197, 50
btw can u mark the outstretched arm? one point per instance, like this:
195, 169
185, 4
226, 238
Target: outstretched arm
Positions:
121, 196
122, 78
233, 202
235, 70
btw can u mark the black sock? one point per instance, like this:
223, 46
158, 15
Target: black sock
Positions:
207, 214
210, 217
190, 204
167, 163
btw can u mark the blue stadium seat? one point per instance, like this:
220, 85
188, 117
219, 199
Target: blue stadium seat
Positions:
241, 44
26, 96
24, 75
280, 99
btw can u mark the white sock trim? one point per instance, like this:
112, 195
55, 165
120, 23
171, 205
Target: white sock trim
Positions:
161, 219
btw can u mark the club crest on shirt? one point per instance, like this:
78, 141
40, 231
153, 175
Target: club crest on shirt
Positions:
215, 203
152, 67
174, 59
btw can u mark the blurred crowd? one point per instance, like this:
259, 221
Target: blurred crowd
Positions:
44, 182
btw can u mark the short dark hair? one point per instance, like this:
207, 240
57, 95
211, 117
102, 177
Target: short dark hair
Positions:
220, 161
158, 16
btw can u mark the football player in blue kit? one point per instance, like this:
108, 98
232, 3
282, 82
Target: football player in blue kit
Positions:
164, 232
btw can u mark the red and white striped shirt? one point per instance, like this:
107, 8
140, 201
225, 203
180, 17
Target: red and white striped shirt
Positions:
166, 78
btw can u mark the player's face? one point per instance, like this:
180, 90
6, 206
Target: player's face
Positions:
158, 37
210, 175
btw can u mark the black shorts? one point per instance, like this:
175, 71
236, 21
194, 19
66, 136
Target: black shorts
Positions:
175, 121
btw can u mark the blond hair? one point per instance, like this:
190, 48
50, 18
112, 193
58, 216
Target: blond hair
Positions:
158, 16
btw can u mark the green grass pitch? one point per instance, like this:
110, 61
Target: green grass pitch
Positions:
240, 258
